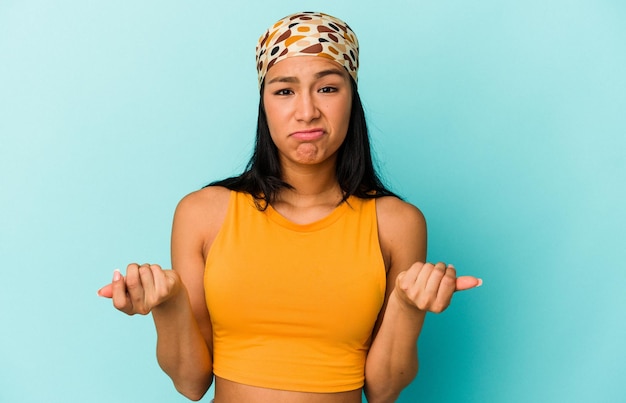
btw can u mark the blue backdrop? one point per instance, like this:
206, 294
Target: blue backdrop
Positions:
504, 121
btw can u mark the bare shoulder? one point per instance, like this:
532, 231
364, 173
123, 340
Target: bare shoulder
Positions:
401, 230
208, 200
200, 214
396, 215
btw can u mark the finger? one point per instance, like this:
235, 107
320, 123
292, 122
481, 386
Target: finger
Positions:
106, 291
147, 281
467, 282
171, 278
133, 286
423, 276
429, 294
159, 277
167, 284
407, 278
415, 292
121, 301
446, 289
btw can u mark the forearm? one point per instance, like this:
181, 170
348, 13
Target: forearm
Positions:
392, 362
182, 352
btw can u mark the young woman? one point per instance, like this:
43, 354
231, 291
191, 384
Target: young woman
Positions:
304, 279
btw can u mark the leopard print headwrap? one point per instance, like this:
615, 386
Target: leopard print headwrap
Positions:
308, 34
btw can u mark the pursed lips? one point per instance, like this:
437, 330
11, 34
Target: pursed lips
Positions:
308, 135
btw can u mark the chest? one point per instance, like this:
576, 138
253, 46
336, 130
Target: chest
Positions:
324, 281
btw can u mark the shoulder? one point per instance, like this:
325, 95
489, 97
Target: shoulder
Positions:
396, 214
200, 214
205, 200
401, 230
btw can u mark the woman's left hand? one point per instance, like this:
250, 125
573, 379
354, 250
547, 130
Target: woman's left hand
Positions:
429, 287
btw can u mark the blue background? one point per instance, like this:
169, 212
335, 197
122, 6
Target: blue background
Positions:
504, 121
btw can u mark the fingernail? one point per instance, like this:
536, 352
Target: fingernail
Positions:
451, 266
480, 282
116, 275
98, 292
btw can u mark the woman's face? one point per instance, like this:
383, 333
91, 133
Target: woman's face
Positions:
307, 104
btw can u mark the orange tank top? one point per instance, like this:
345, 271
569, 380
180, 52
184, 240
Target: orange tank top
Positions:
293, 306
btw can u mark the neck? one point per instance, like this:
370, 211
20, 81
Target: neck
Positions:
312, 185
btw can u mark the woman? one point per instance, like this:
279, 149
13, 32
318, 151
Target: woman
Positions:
301, 280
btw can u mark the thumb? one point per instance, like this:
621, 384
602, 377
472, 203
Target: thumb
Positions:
467, 282
106, 291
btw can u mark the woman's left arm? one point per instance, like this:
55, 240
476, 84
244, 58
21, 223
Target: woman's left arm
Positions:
413, 289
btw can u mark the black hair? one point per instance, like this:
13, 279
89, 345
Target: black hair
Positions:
355, 170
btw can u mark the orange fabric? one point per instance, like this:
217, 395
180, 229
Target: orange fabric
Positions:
293, 306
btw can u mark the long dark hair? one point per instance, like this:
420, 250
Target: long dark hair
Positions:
355, 169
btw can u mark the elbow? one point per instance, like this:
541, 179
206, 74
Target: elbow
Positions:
193, 396
194, 389
382, 397
387, 389
191, 382
193, 392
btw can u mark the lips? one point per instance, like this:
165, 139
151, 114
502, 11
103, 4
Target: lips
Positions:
308, 135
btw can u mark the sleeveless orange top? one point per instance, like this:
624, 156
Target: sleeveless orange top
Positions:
293, 306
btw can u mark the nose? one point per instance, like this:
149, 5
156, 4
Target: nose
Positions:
306, 107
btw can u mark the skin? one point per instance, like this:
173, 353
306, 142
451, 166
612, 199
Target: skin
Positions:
307, 101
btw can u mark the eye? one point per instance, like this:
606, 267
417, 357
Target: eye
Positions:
283, 92
327, 90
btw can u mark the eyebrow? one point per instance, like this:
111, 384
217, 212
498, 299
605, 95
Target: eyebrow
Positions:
318, 75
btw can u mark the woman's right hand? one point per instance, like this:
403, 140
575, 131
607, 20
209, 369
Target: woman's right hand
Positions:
145, 287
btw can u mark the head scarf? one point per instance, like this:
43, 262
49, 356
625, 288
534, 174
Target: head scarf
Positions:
308, 34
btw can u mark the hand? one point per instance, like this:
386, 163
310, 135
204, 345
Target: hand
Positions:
429, 287
144, 288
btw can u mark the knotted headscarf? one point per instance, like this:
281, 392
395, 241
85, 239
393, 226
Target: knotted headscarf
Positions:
308, 34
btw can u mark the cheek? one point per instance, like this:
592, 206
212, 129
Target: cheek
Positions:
275, 113
271, 116
346, 115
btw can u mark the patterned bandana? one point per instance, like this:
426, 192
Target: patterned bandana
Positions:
308, 34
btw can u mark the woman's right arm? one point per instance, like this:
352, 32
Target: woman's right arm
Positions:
176, 297
184, 333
